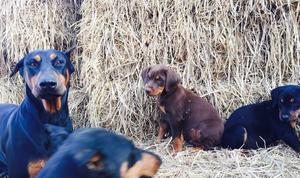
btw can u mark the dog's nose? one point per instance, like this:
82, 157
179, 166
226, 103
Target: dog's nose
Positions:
48, 84
148, 90
285, 116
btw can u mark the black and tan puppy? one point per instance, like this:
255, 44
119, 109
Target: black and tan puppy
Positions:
259, 125
187, 116
95, 152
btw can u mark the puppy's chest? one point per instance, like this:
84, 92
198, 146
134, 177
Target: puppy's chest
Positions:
162, 108
183, 109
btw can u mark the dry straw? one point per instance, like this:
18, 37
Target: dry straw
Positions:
232, 52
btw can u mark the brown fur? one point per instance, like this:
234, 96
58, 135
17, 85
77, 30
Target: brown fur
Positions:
52, 56
67, 77
163, 130
37, 58
294, 116
184, 112
34, 167
147, 166
177, 143
95, 163
52, 106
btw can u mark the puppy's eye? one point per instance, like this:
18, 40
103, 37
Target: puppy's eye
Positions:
157, 77
281, 100
59, 62
95, 163
96, 166
33, 64
292, 100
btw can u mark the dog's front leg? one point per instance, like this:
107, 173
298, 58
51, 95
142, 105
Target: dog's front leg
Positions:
164, 128
291, 139
177, 137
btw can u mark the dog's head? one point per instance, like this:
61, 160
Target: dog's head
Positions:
47, 75
287, 100
96, 152
159, 78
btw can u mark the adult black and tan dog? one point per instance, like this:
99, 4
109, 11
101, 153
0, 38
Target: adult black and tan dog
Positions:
186, 116
259, 125
24, 141
95, 152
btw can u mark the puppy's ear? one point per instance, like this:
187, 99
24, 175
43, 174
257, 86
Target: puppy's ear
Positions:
90, 158
71, 67
145, 73
70, 53
18, 67
140, 164
275, 95
172, 79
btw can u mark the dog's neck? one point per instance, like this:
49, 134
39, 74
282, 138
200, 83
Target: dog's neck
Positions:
35, 106
165, 94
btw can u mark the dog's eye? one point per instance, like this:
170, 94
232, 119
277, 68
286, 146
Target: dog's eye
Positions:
157, 77
96, 166
281, 100
33, 64
58, 62
292, 100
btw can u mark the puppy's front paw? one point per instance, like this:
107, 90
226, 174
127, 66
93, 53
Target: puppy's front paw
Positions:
177, 144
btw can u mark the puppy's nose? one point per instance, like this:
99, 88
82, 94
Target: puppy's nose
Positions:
285, 116
148, 90
48, 84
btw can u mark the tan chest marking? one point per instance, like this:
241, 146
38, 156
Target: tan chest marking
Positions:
162, 108
293, 123
34, 167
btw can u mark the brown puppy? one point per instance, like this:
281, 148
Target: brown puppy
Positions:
187, 116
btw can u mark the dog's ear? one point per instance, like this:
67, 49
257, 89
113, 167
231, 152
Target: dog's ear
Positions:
18, 67
172, 79
275, 95
70, 53
145, 73
90, 158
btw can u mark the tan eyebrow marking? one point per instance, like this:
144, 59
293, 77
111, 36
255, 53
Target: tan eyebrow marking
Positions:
53, 56
37, 58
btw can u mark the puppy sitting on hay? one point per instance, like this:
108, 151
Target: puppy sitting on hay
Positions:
186, 116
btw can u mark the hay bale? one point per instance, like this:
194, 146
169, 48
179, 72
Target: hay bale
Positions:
10, 92
232, 53
28, 25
